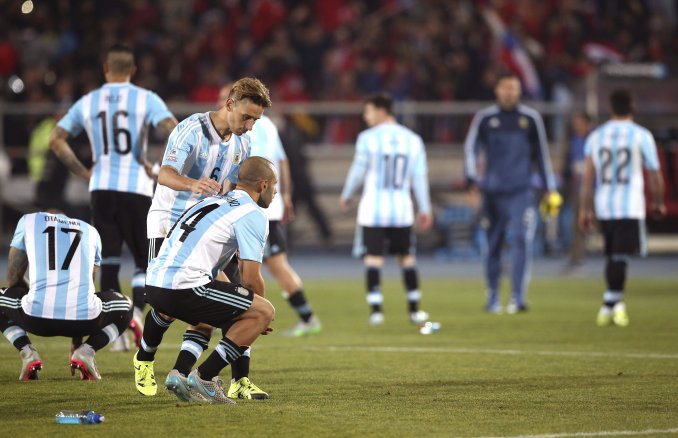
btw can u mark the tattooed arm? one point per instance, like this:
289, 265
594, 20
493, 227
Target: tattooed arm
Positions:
59, 145
167, 125
17, 265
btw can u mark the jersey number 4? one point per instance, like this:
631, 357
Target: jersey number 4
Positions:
188, 224
122, 147
51, 246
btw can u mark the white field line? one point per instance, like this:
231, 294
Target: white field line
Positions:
505, 352
602, 433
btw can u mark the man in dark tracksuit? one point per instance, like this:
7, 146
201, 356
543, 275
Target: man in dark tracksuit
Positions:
503, 144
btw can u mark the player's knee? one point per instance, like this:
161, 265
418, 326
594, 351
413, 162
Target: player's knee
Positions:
203, 329
264, 310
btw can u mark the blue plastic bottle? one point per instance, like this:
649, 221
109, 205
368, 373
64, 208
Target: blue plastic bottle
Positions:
79, 417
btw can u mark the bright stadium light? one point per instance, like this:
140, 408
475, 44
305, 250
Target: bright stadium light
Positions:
27, 7
15, 84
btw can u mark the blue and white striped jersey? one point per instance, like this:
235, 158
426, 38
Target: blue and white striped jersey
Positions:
195, 150
205, 237
61, 255
266, 143
390, 161
502, 147
116, 118
620, 149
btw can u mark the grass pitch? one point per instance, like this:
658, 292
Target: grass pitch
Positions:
549, 371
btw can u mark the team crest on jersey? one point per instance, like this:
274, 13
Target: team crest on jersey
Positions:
236, 158
172, 156
523, 122
494, 122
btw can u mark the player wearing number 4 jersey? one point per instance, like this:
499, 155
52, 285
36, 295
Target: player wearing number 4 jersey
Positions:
616, 153
60, 256
390, 161
116, 118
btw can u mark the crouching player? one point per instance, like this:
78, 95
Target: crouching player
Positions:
61, 256
180, 281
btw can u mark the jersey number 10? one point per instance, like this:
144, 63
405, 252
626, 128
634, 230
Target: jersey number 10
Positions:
394, 171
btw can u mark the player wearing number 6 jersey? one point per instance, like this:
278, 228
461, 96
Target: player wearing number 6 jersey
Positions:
390, 162
116, 118
616, 153
60, 256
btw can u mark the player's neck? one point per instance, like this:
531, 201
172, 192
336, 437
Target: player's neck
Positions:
617, 118
220, 125
117, 79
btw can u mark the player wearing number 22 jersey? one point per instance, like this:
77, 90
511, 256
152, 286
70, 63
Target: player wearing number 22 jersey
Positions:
117, 117
616, 153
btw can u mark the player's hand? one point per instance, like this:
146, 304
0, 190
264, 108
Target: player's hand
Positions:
344, 204
658, 211
288, 214
586, 220
425, 221
206, 186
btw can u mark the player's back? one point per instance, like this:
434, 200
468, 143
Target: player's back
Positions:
116, 118
619, 150
61, 255
203, 238
394, 155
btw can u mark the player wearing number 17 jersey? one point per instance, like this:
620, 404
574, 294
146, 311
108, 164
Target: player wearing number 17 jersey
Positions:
616, 153
60, 255
390, 162
116, 118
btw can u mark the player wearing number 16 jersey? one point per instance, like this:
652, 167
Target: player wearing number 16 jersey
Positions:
116, 118
616, 153
390, 162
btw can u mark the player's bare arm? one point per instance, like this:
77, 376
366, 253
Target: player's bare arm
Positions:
17, 265
169, 177
95, 270
657, 189
250, 276
286, 191
166, 126
58, 143
586, 197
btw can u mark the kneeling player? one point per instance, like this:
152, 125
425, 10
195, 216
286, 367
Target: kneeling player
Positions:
61, 256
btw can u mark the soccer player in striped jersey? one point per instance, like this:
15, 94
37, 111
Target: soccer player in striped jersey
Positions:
202, 158
61, 256
390, 162
116, 118
616, 153
509, 139
181, 281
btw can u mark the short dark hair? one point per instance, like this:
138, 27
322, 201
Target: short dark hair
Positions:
381, 100
621, 102
120, 58
506, 74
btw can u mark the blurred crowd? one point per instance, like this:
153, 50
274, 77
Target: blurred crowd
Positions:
323, 49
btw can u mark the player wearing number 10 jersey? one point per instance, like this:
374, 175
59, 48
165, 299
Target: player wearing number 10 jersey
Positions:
116, 118
390, 162
616, 153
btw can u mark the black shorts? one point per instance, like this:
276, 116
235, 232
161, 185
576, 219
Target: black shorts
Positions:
121, 217
276, 243
216, 303
11, 308
624, 236
400, 240
154, 244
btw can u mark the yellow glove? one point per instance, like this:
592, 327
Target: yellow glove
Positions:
550, 205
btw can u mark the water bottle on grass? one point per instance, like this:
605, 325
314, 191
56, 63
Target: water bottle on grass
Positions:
78, 417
